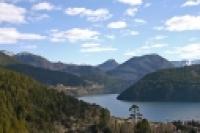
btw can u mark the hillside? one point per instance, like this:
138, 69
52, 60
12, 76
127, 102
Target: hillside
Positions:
177, 84
28, 106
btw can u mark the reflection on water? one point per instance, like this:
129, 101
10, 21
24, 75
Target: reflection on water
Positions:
155, 111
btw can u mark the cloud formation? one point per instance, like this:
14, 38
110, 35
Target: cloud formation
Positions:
188, 51
191, 3
183, 23
12, 36
74, 35
10, 13
43, 6
100, 14
131, 2
117, 25
131, 11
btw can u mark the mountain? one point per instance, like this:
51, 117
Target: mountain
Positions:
108, 65
28, 106
86, 72
176, 84
135, 68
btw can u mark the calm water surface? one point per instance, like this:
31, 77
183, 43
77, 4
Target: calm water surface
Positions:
154, 111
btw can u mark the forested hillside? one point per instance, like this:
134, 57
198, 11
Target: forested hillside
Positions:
28, 106
177, 84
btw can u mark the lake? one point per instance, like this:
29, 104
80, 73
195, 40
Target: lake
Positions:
154, 111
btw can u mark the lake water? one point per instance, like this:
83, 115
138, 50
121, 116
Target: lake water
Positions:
154, 111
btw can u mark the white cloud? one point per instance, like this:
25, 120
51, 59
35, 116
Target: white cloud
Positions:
189, 51
131, 2
117, 25
191, 3
160, 37
11, 36
158, 28
18, 1
141, 21
110, 36
131, 11
74, 35
134, 33
43, 6
183, 23
96, 48
89, 45
11, 14
100, 14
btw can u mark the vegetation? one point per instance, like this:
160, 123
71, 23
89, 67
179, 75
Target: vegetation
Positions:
177, 84
143, 127
28, 106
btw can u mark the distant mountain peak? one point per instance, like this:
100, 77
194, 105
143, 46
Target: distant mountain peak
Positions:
108, 65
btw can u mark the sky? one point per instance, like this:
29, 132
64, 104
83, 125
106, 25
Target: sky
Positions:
92, 31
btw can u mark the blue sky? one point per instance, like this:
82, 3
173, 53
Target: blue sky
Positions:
92, 31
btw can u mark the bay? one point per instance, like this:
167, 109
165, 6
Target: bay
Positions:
154, 111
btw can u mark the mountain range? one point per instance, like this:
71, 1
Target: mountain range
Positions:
110, 75
113, 76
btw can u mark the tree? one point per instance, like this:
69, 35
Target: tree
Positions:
135, 113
